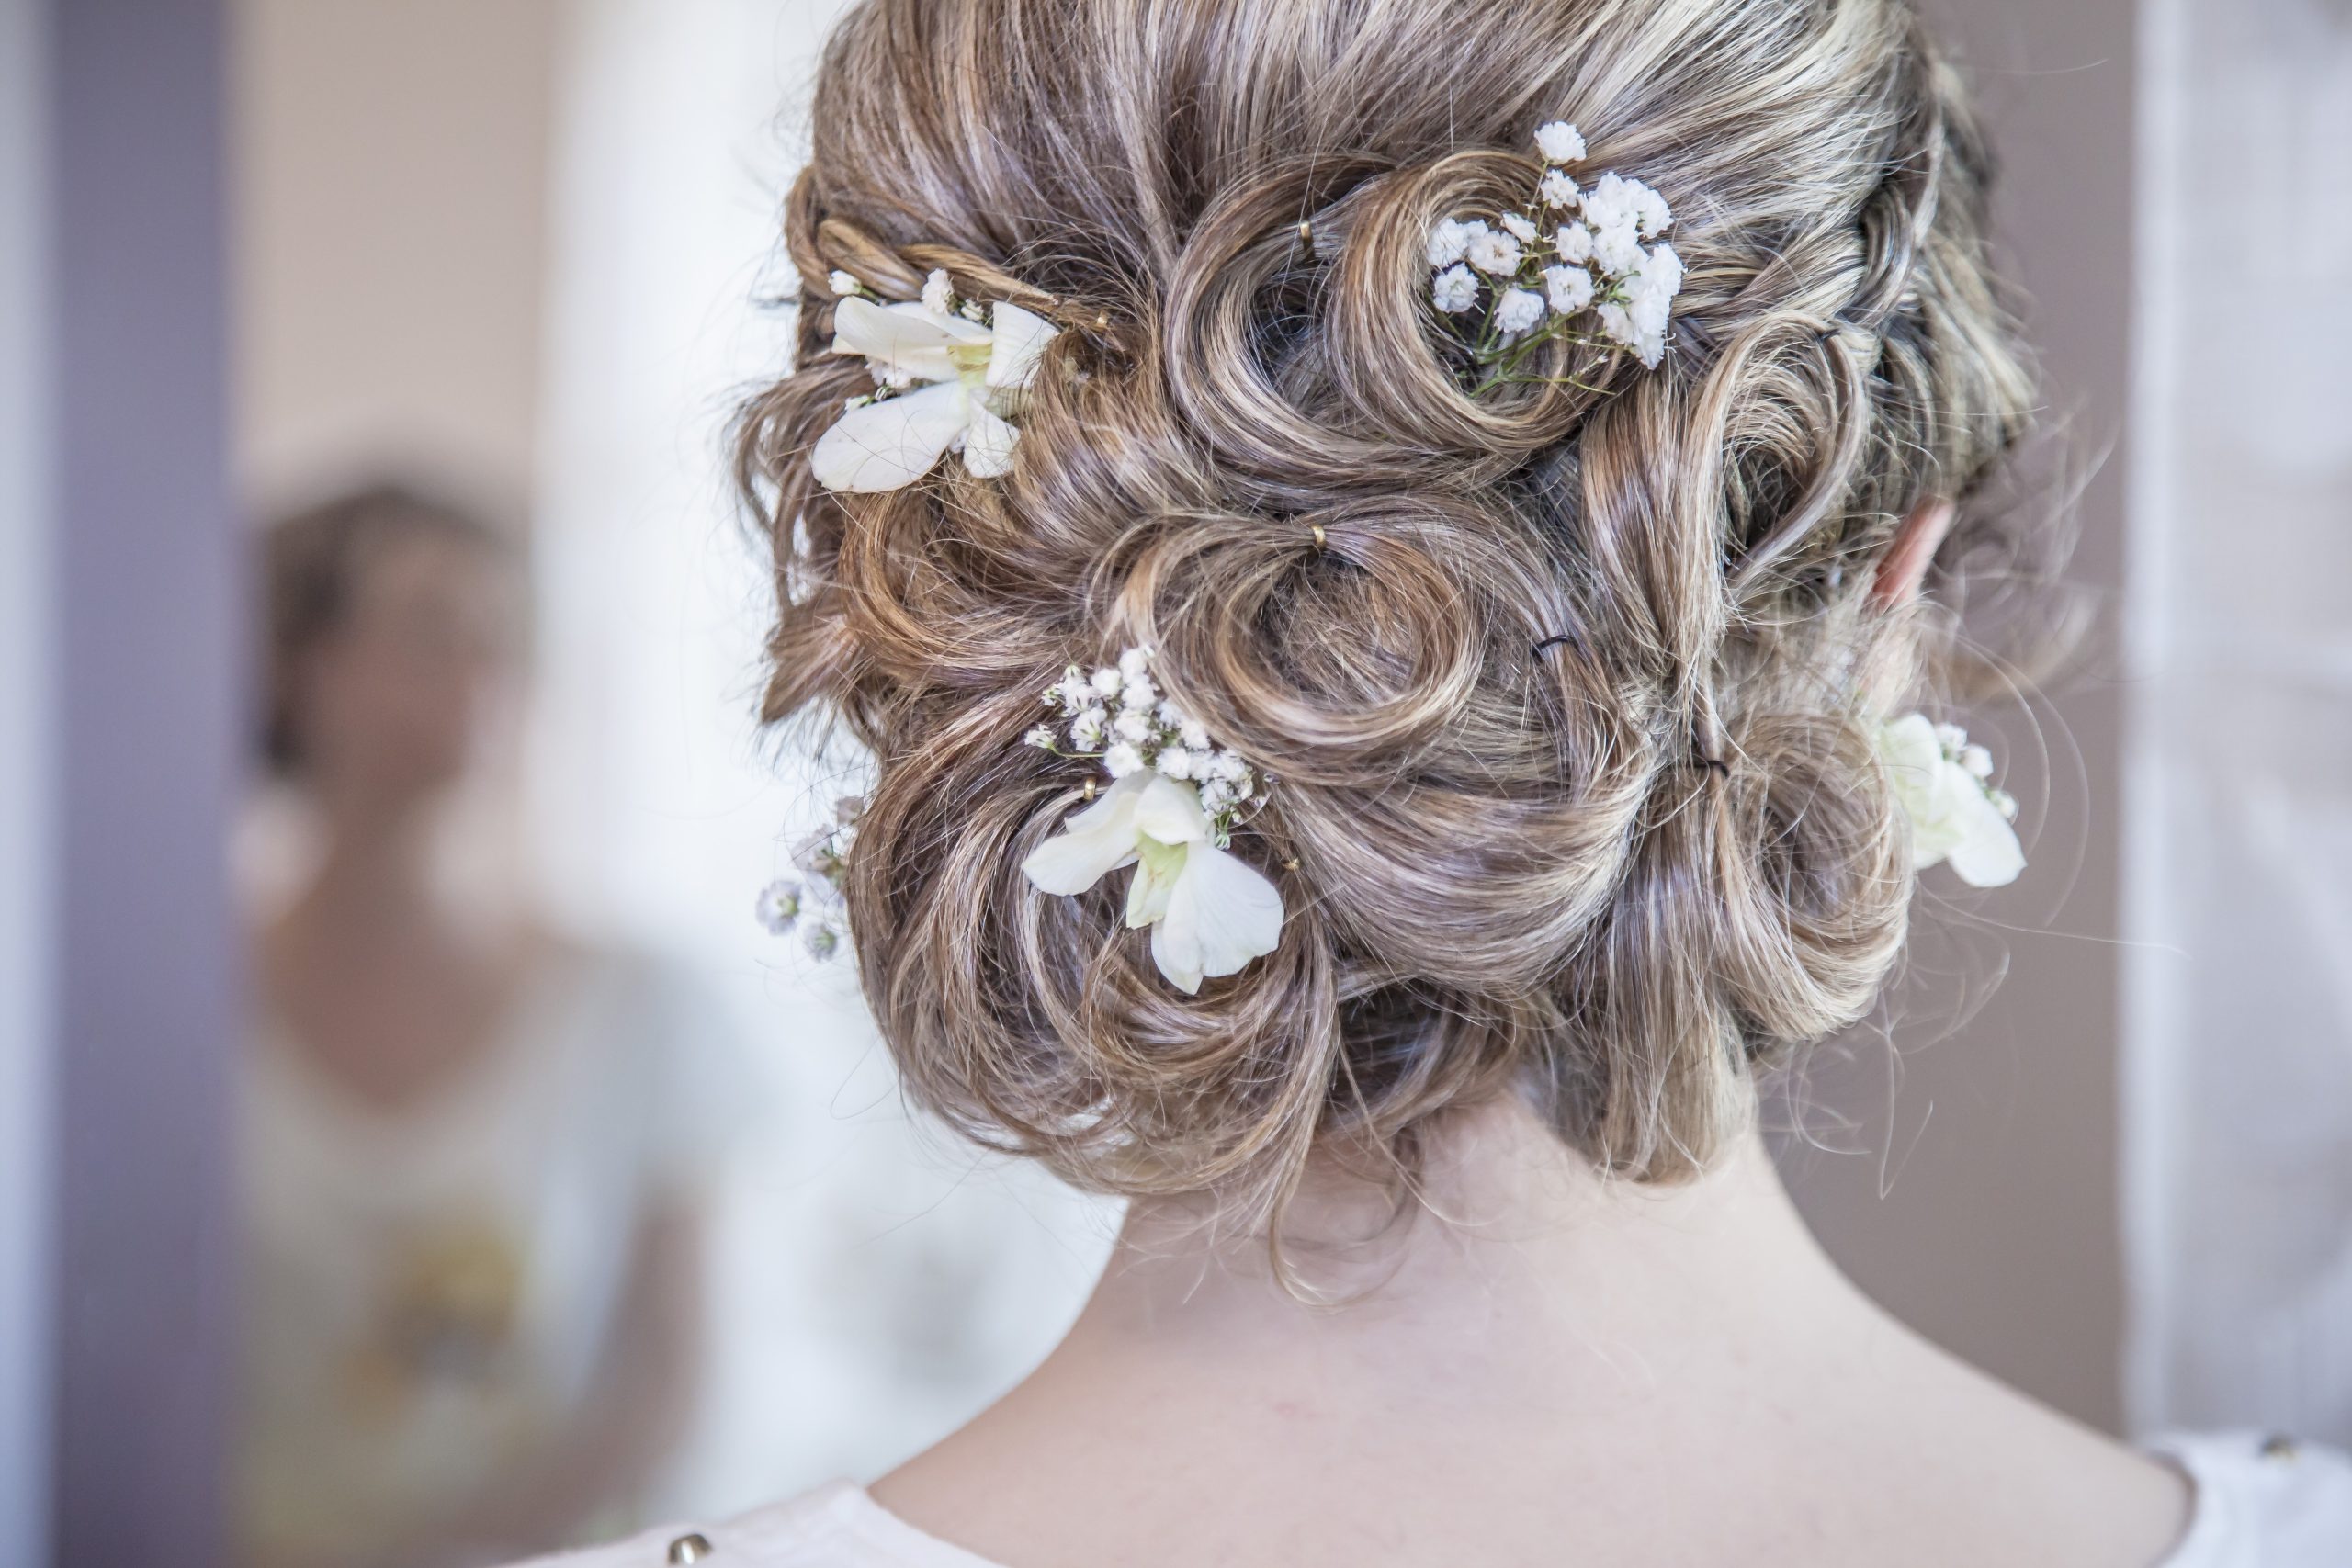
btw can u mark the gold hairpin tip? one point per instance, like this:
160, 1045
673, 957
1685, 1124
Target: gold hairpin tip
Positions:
1291, 864
1305, 229
1101, 319
1317, 529
690, 1548
1087, 792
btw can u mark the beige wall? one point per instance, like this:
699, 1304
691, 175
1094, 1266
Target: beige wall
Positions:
1980, 1201
390, 190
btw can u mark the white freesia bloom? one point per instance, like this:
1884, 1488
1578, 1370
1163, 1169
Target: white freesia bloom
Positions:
1956, 816
1559, 142
1209, 911
965, 379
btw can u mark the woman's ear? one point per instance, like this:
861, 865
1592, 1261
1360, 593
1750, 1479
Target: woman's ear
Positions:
1905, 566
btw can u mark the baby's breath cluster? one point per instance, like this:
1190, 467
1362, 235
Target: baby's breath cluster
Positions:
811, 899
1116, 716
1574, 255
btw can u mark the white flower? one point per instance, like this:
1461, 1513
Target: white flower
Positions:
1450, 240
1519, 228
1574, 241
1955, 816
973, 380
1138, 694
1557, 189
1122, 760
1107, 681
1614, 199
1518, 309
1618, 248
1210, 912
779, 906
822, 940
1041, 738
1132, 725
1493, 252
1456, 290
1175, 762
1641, 321
1134, 664
1559, 142
843, 284
938, 293
1086, 729
1075, 692
1192, 732
1569, 288
1650, 210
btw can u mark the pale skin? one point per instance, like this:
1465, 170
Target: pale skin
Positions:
392, 992
1544, 1368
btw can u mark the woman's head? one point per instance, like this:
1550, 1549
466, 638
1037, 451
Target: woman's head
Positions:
392, 627
1567, 689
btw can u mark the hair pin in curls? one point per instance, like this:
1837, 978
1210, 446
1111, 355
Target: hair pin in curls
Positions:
950, 375
1174, 801
1569, 267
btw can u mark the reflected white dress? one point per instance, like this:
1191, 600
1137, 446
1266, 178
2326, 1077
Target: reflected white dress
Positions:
2259, 1504
427, 1293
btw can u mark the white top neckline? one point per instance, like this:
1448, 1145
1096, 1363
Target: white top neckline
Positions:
2258, 1503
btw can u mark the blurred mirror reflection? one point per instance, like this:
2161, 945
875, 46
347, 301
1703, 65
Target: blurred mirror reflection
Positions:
570, 1198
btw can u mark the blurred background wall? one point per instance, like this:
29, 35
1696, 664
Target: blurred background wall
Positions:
391, 208
25, 870
2239, 977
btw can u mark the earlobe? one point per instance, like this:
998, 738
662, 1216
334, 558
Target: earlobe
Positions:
1907, 560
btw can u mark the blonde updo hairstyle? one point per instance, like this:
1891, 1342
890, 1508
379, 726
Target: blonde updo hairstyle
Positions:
1567, 693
